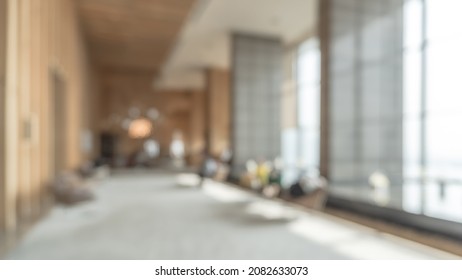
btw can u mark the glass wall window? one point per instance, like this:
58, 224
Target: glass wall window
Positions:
301, 136
365, 100
442, 137
257, 80
308, 104
433, 96
395, 99
289, 156
412, 105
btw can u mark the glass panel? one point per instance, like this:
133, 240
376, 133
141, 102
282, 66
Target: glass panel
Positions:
444, 83
412, 82
257, 102
308, 62
412, 192
376, 99
444, 152
444, 20
413, 24
444, 204
366, 100
289, 155
308, 106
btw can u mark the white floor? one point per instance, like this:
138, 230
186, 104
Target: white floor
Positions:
163, 216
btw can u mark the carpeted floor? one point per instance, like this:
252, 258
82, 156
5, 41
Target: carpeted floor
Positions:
138, 215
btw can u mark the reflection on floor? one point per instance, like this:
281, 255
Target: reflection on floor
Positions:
162, 216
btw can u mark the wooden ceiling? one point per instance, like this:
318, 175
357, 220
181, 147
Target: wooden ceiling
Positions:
132, 35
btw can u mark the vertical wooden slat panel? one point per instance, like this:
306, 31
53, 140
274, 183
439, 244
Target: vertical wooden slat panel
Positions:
44, 118
35, 100
74, 63
3, 21
197, 126
42, 36
218, 108
11, 124
24, 198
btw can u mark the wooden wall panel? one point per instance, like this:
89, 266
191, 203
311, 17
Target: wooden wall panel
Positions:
43, 37
11, 116
34, 106
218, 111
43, 127
197, 127
3, 9
121, 91
24, 95
130, 40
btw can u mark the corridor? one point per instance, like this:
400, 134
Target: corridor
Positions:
163, 215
